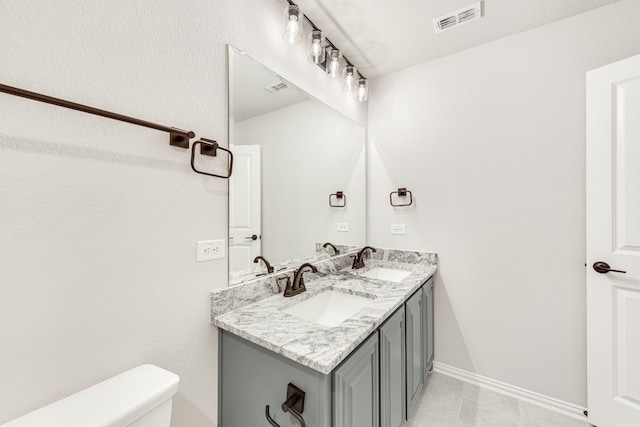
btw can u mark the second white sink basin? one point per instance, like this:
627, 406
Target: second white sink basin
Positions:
330, 308
387, 274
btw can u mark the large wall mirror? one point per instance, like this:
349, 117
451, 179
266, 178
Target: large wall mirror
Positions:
291, 153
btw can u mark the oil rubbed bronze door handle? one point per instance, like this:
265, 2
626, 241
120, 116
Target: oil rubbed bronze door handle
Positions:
602, 268
252, 237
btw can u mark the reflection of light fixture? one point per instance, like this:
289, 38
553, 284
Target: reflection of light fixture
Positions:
333, 63
323, 53
293, 18
362, 90
349, 74
316, 47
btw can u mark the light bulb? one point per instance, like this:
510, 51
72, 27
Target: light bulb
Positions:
315, 47
333, 65
292, 16
362, 90
349, 78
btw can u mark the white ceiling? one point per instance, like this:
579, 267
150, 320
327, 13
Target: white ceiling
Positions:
249, 96
381, 36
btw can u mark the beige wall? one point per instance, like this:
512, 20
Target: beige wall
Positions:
98, 219
492, 143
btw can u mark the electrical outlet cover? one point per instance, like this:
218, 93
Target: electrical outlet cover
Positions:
343, 226
398, 229
210, 249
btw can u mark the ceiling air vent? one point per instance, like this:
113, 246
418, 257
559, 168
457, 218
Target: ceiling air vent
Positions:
459, 17
277, 87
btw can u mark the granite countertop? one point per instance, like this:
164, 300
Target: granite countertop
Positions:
316, 346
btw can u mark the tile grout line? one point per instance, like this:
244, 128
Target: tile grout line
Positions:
460, 406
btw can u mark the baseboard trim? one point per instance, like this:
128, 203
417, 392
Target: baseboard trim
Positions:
546, 402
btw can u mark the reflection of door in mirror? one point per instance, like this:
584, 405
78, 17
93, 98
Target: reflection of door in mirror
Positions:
244, 207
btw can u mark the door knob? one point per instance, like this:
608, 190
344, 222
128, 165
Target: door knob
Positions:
253, 237
602, 268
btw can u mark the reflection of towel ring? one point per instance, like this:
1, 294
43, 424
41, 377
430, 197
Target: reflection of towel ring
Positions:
339, 195
210, 147
402, 192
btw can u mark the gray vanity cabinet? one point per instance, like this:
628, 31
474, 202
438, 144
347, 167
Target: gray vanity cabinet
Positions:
415, 349
251, 377
427, 306
378, 385
393, 396
356, 387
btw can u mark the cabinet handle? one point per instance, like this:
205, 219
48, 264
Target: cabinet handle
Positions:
294, 403
271, 420
296, 414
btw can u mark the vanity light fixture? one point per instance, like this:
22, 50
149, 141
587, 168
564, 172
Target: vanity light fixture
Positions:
333, 63
349, 74
316, 47
362, 90
293, 18
322, 52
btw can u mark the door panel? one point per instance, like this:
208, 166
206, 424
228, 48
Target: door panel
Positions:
356, 388
415, 349
244, 207
626, 165
613, 236
427, 325
627, 346
392, 371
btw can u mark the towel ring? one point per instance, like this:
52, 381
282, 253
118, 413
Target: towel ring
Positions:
402, 192
209, 147
339, 195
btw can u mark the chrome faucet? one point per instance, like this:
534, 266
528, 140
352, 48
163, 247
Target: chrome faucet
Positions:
326, 245
298, 286
358, 260
266, 263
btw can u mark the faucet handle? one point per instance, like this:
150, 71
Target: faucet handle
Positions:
287, 283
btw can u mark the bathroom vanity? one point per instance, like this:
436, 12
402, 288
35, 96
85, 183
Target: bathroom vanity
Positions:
354, 348
366, 370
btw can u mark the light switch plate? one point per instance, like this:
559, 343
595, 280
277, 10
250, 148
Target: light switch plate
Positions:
210, 249
343, 226
398, 229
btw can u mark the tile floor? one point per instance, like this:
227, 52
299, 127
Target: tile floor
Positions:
448, 402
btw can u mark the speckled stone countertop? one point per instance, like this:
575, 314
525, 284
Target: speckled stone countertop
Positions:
316, 346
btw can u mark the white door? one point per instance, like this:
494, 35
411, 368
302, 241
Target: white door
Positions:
613, 237
244, 207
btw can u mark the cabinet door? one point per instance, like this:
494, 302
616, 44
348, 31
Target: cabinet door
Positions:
393, 396
356, 390
415, 349
427, 307
252, 377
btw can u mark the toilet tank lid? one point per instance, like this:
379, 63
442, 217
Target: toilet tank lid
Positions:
117, 401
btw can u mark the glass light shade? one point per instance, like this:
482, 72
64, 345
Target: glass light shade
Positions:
293, 18
316, 47
333, 63
362, 90
349, 76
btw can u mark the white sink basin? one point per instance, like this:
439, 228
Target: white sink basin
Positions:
330, 308
387, 274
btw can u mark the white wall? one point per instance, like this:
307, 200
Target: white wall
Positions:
99, 219
491, 142
308, 152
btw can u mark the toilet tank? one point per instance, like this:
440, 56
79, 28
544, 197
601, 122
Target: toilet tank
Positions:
140, 397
